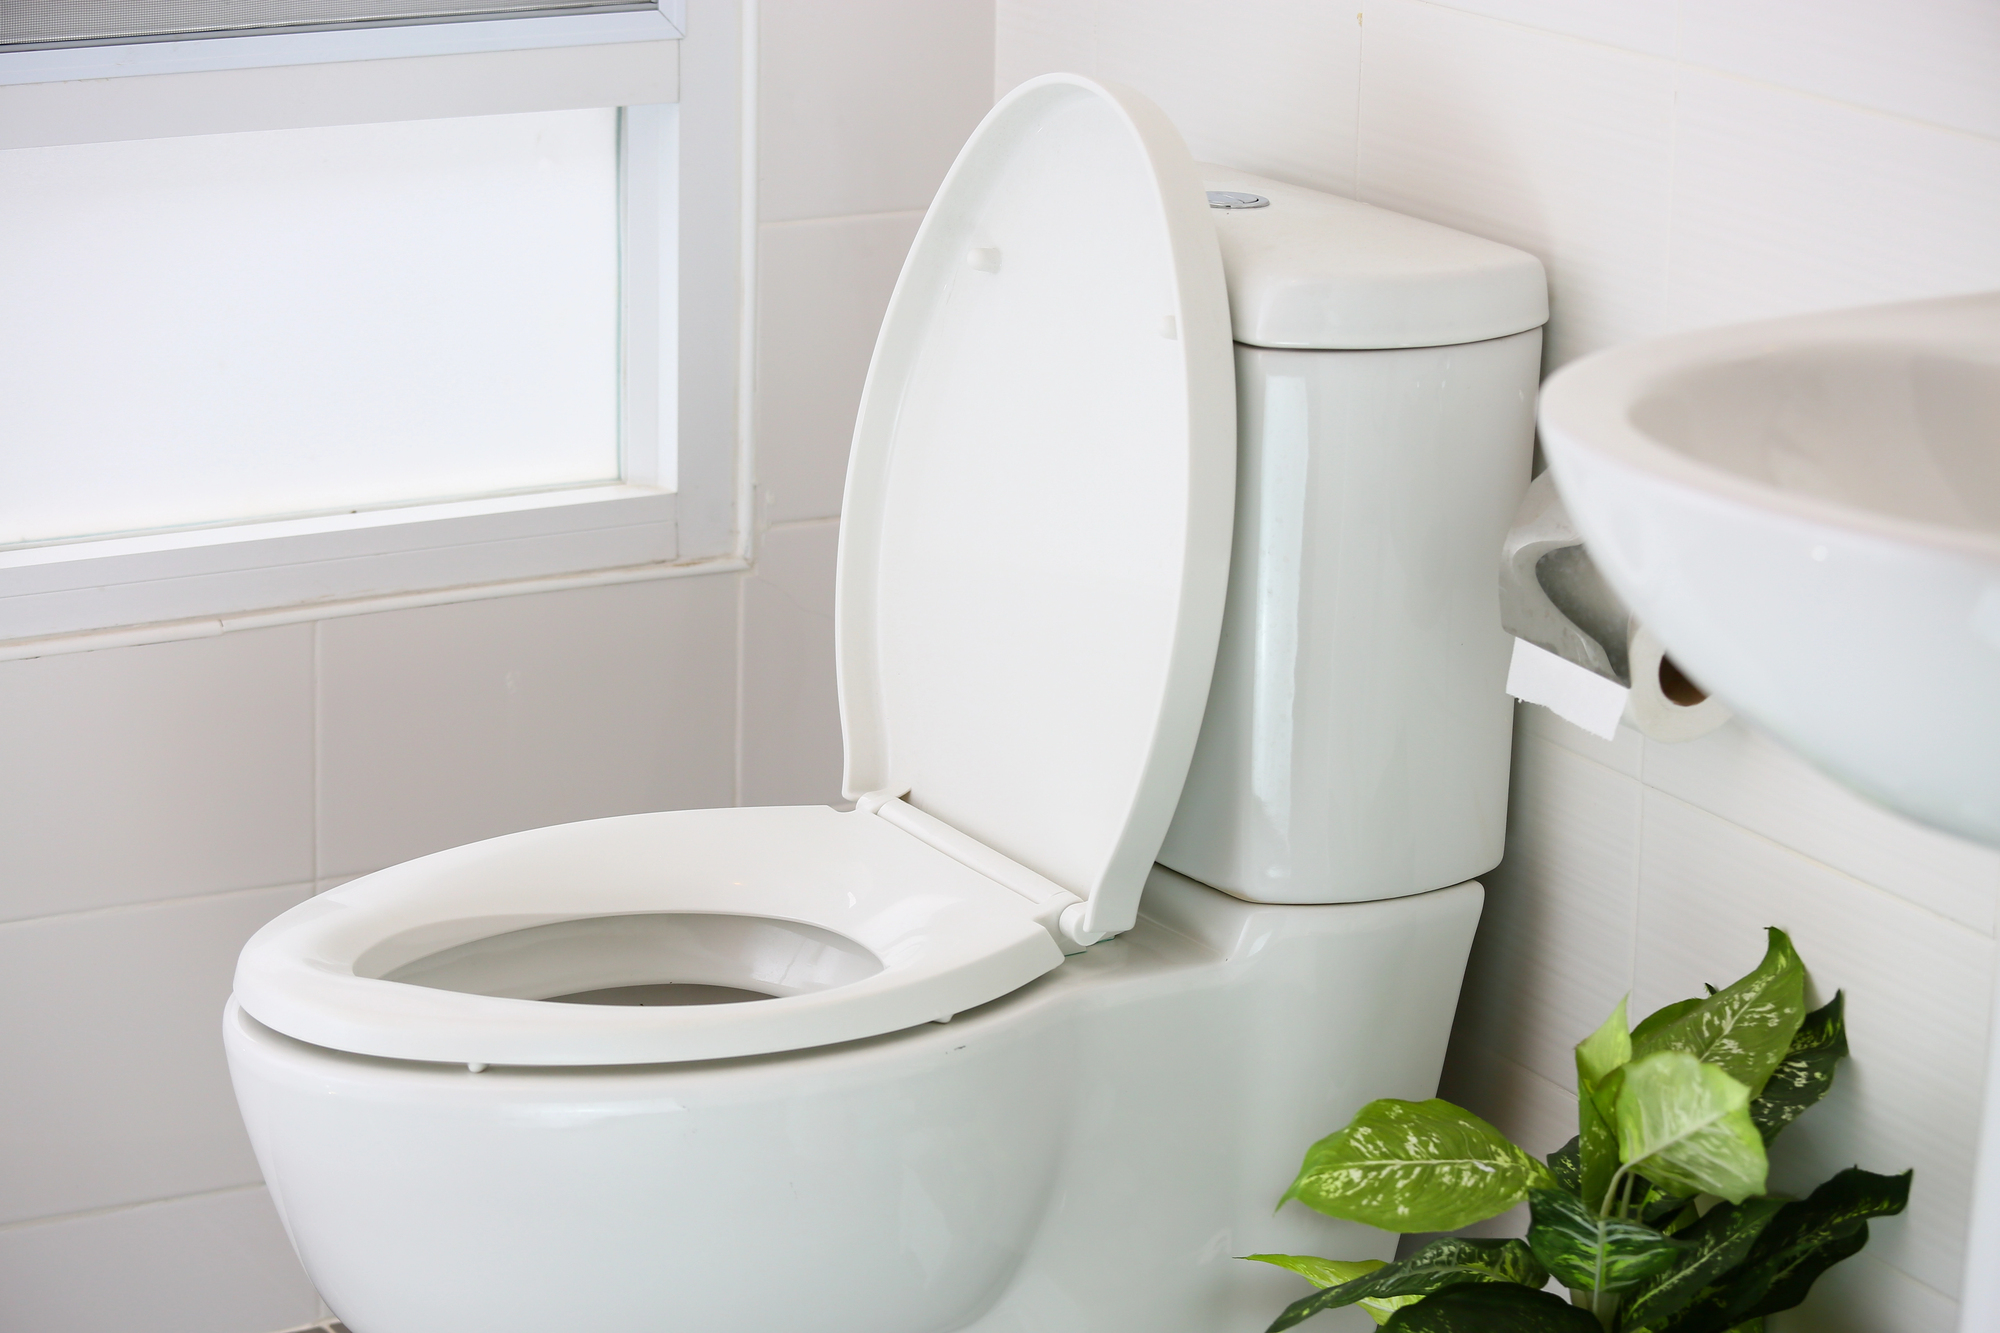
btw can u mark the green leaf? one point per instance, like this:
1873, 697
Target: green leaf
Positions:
1325, 1273
1810, 1236
1745, 1028
1416, 1166
1686, 1126
1806, 1073
1440, 1264
1659, 1018
1803, 1240
1605, 1049
1713, 1246
1597, 1134
1591, 1253
1321, 1272
1566, 1165
1598, 1060
1492, 1309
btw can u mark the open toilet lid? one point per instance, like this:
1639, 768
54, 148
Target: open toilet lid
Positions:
1035, 538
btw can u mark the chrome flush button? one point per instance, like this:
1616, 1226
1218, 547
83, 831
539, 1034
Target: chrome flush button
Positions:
1232, 199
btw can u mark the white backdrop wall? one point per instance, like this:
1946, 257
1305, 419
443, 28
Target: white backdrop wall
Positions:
1675, 163
159, 803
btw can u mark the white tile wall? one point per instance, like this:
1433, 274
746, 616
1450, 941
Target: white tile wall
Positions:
446, 724
1224, 74
822, 287
865, 103
213, 1263
791, 719
1674, 164
1563, 148
155, 772
116, 1090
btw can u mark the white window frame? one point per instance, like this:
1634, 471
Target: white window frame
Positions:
684, 83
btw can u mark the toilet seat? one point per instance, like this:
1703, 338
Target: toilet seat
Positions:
943, 938
1033, 559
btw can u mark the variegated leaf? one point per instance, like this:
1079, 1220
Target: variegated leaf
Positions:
1805, 1075
1440, 1264
1587, 1252
1715, 1245
1744, 1028
1416, 1166
1685, 1126
1492, 1309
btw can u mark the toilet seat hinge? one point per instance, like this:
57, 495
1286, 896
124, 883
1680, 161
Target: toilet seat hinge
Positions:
1057, 910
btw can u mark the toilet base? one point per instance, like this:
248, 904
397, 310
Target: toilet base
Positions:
1086, 1155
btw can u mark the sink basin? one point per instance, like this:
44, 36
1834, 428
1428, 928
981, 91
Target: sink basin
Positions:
1806, 512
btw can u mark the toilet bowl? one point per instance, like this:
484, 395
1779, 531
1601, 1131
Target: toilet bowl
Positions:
966, 1057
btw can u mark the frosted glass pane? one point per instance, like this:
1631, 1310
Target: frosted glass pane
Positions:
244, 326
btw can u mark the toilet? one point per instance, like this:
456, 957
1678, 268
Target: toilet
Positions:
1170, 675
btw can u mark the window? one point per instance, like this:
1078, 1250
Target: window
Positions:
403, 321
277, 323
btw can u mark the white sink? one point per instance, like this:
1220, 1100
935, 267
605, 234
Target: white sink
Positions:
1806, 512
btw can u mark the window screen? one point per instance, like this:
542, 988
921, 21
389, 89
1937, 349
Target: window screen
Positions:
33, 23
230, 327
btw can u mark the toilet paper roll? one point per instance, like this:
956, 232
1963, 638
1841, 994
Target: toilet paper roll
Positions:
1662, 704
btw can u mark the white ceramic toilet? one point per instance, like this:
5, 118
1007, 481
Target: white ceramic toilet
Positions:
939, 1063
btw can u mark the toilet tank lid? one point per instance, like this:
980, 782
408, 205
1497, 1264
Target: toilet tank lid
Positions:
1314, 270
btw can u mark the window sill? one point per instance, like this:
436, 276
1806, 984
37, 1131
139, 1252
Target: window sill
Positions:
305, 565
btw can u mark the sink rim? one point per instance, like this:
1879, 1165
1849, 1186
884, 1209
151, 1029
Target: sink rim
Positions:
1586, 406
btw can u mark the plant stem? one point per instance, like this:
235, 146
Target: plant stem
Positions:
1622, 1177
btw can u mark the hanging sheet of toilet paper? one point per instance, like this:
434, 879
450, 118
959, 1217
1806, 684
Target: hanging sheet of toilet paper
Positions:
1538, 676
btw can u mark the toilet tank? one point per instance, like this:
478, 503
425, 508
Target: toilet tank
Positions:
1358, 732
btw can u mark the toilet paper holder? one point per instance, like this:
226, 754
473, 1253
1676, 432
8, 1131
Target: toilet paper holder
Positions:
1557, 605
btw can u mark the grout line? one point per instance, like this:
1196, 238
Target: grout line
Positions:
1818, 864
1673, 178
1638, 871
845, 217
318, 750
112, 909
206, 627
1354, 151
792, 523
111, 1209
741, 664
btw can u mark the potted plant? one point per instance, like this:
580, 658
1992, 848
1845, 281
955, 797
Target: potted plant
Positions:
1655, 1216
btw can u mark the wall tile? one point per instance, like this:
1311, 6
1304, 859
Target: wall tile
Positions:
791, 717
821, 290
218, 1263
863, 105
1785, 203
1269, 89
1556, 146
1646, 28
1933, 60
1753, 781
1918, 990
116, 1091
1623, 753
1033, 37
1535, 1112
134, 774
1554, 948
1866, 1295
446, 724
